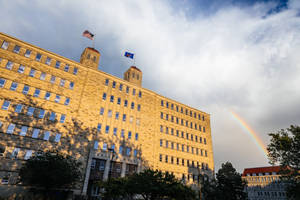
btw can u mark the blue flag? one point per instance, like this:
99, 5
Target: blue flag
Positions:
129, 55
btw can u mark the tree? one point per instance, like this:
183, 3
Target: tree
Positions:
284, 149
149, 185
228, 185
51, 170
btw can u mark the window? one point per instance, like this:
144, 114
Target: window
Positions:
99, 127
167, 116
160, 157
106, 81
117, 115
203, 129
38, 57
187, 149
161, 115
9, 65
71, 86
66, 68
5, 105
104, 146
112, 98
167, 104
62, 82
32, 72
135, 152
177, 133
75, 70
114, 84
101, 111
52, 116
5, 45
129, 134
115, 131
167, 130
109, 114
127, 89
30, 111
133, 92
2, 82
57, 99
62, 118
140, 94
122, 133
205, 153
67, 101
121, 87
28, 154
18, 108
161, 128
166, 158
21, 69
137, 121
106, 129
119, 101
204, 140
23, 130
25, 89
182, 162
15, 153
57, 64
48, 61
46, 135
132, 105
52, 80
27, 53
10, 129
124, 117
161, 142
104, 96
96, 144
177, 147
47, 95
120, 150
139, 107
125, 103
41, 114
167, 144
136, 136
128, 151
43, 76
131, 119
35, 133
172, 106
182, 148
13, 86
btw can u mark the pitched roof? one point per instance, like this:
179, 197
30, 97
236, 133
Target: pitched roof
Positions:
134, 67
257, 170
93, 49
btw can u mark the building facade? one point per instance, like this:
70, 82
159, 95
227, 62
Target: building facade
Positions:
264, 183
113, 126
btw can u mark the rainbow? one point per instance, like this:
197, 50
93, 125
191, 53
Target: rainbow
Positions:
258, 141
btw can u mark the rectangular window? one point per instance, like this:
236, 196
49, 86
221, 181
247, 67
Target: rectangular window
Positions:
121, 150
9, 65
32, 72
38, 57
57, 64
101, 111
172, 106
10, 129
23, 130
52, 116
167, 116
125, 103
127, 89
167, 130
18, 108
52, 80
136, 136
161, 128
48, 61
47, 95
13, 86
4, 45
122, 133
177, 147
117, 115
121, 87
137, 121
99, 127
204, 140
67, 67
124, 117
112, 98
75, 70
106, 81
203, 129
30, 111
57, 99
161, 115
67, 101
119, 101
27, 53
2, 82
62, 82
135, 152
43, 76
15, 153
104, 96
182, 148
5, 105
131, 119
104, 146
35, 133
114, 84
177, 133
167, 144
62, 118
133, 92
28, 154
115, 131
96, 144
25, 89
161, 142
109, 114
128, 151
140, 94
21, 69
166, 158
160, 157
167, 104
187, 149
41, 114
139, 107
71, 86
132, 105
129, 134
106, 129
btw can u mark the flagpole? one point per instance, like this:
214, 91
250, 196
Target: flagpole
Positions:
134, 60
94, 41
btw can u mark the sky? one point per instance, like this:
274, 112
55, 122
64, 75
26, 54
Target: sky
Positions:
236, 60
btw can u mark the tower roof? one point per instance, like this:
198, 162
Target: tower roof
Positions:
93, 49
134, 67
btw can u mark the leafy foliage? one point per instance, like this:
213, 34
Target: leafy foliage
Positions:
51, 170
284, 149
148, 185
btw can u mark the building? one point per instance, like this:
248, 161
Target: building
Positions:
263, 183
113, 125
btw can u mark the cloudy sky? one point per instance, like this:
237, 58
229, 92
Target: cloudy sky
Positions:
217, 56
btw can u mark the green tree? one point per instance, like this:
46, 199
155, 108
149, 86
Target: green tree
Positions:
148, 185
51, 170
284, 149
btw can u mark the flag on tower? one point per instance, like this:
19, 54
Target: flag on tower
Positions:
129, 55
88, 34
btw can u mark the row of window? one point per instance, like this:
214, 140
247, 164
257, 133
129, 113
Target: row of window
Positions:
41, 75
177, 120
182, 161
31, 132
187, 112
37, 92
181, 134
182, 147
115, 132
32, 111
117, 116
121, 87
17, 152
123, 150
112, 99
38, 58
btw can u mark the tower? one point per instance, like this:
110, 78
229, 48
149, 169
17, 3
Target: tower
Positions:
134, 75
90, 57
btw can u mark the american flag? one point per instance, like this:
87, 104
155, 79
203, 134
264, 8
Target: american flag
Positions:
88, 34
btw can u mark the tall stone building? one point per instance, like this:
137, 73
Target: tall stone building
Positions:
113, 126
